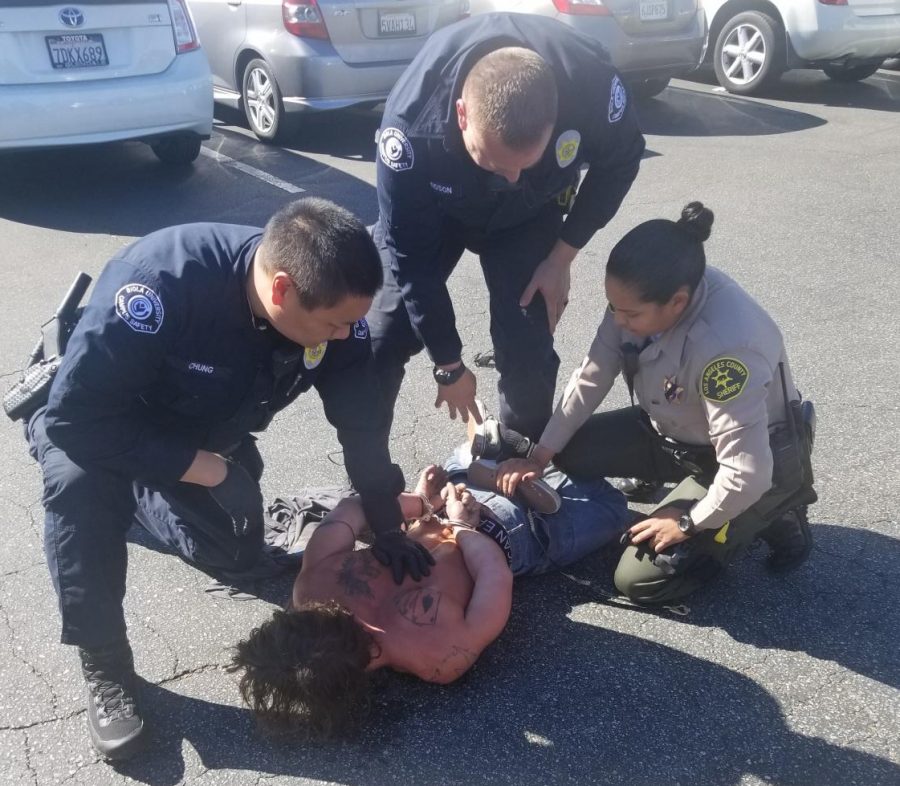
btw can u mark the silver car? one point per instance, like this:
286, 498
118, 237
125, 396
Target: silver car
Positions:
649, 41
280, 58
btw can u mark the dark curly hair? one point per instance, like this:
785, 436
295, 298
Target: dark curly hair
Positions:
304, 670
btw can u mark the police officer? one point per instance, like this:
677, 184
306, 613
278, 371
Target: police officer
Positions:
481, 147
194, 337
718, 412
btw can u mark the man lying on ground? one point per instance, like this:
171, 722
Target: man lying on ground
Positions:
307, 668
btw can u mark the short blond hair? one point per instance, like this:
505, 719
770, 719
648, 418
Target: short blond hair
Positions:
511, 94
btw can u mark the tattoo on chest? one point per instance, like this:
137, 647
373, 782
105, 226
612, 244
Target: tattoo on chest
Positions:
419, 606
457, 661
356, 571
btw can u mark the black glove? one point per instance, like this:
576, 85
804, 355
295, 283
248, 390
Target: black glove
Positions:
402, 555
241, 498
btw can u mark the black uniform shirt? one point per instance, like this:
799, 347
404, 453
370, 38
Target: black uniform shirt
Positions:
425, 175
168, 359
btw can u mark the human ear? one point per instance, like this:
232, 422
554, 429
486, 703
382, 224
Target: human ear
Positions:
281, 285
461, 116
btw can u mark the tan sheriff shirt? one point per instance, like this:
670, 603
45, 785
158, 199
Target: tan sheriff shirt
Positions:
711, 379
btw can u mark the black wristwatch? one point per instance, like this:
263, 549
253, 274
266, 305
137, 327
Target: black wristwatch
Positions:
686, 524
444, 377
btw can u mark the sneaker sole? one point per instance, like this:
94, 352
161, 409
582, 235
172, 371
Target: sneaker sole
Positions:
537, 494
474, 436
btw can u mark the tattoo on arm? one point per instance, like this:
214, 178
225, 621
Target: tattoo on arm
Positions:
419, 605
458, 661
356, 571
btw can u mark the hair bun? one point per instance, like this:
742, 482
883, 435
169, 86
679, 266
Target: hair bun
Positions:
697, 220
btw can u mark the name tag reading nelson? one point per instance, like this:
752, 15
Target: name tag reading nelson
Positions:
140, 308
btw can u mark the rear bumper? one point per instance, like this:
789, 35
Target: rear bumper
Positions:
671, 54
178, 100
318, 79
835, 33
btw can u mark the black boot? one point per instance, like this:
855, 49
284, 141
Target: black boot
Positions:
637, 490
113, 709
790, 540
494, 441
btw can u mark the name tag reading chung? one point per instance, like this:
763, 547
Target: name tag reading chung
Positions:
77, 50
654, 10
396, 24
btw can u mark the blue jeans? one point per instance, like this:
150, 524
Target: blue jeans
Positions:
592, 514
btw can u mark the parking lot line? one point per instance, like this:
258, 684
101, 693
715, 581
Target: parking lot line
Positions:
252, 171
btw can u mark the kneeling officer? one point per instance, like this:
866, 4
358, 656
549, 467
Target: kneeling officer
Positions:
194, 337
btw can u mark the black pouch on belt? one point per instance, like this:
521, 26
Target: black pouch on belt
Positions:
791, 444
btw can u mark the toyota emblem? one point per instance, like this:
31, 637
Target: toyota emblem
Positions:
71, 17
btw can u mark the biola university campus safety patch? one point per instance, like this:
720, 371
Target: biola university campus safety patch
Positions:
618, 99
140, 308
724, 379
395, 150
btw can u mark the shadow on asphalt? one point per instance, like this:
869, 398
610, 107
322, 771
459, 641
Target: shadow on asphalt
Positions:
348, 133
560, 700
680, 112
122, 189
880, 92
845, 611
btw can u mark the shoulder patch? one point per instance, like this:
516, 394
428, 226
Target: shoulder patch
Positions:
395, 150
618, 100
361, 329
140, 308
724, 379
313, 355
567, 147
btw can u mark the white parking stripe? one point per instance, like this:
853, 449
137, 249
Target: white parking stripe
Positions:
252, 171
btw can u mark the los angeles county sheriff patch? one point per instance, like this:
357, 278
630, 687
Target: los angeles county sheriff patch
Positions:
724, 379
313, 355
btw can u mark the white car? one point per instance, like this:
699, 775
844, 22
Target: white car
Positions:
103, 71
752, 42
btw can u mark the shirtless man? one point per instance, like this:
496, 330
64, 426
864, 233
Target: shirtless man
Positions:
308, 666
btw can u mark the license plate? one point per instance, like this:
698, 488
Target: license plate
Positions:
77, 50
396, 24
654, 11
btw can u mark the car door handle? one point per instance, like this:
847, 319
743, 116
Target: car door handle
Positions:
234, 2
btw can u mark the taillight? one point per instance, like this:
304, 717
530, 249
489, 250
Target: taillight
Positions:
183, 27
303, 18
582, 7
833, 2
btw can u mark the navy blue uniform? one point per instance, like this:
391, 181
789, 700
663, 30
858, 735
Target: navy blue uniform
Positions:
166, 360
434, 202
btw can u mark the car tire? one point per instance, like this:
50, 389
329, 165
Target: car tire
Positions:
850, 73
263, 106
749, 54
647, 88
177, 150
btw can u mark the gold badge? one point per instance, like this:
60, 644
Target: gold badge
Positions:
724, 379
567, 147
313, 355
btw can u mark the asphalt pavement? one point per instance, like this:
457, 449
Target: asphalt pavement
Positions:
790, 680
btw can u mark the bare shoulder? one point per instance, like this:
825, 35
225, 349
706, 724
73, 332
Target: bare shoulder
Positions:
431, 636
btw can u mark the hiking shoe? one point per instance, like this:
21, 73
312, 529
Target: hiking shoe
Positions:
113, 708
790, 540
637, 490
537, 494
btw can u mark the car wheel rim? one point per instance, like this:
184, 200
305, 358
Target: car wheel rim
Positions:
261, 100
743, 54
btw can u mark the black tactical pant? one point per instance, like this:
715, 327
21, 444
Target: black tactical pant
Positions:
622, 443
523, 345
88, 512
